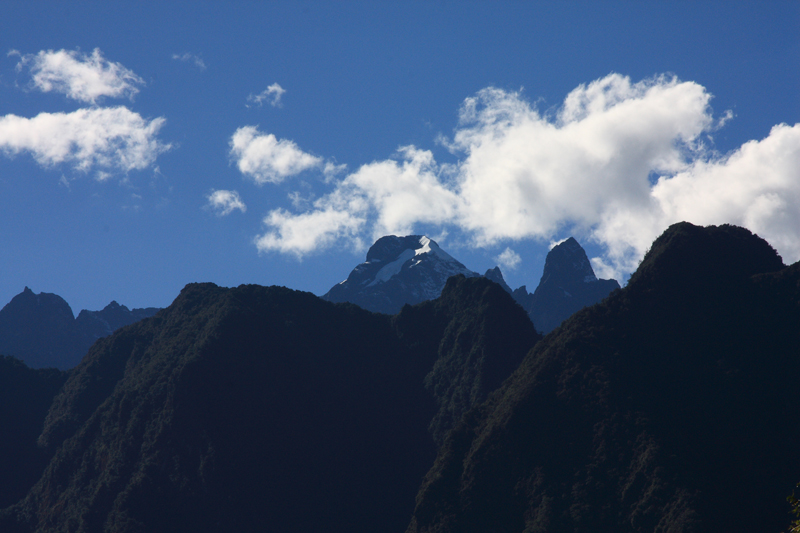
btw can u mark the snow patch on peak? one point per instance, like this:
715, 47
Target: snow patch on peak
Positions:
429, 246
393, 268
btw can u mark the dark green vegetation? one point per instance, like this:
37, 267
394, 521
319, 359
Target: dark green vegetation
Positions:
794, 502
671, 406
266, 409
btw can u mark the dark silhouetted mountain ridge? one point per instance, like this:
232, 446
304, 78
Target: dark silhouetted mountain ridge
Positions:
262, 408
671, 406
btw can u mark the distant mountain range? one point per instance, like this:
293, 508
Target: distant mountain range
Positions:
398, 271
669, 406
408, 270
41, 330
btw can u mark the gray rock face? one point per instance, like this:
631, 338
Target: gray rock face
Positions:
568, 285
398, 271
41, 330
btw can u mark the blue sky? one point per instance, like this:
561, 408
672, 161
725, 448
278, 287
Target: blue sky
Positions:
148, 145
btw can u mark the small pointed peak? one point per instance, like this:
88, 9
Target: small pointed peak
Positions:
567, 263
495, 275
26, 290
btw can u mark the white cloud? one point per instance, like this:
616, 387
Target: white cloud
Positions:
526, 175
402, 193
509, 259
272, 93
331, 170
86, 78
105, 139
190, 58
305, 233
225, 202
265, 158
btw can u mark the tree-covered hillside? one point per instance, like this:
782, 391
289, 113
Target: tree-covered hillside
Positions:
265, 409
671, 406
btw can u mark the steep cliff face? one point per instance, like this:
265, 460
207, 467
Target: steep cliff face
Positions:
671, 406
398, 271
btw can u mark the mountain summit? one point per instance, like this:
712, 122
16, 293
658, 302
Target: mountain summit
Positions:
398, 271
568, 284
41, 330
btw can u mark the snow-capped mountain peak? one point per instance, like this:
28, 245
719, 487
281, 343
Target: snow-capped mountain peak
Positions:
398, 271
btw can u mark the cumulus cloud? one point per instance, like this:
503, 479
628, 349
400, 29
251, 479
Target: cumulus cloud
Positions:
272, 93
190, 58
617, 163
225, 202
509, 259
266, 158
308, 232
104, 139
86, 78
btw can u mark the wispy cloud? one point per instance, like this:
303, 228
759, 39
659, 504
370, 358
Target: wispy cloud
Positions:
225, 202
86, 78
509, 259
107, 140
588, 168
266, 158
272, 94
190, 58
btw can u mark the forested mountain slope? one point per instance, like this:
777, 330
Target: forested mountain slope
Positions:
671, 406
266, 409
